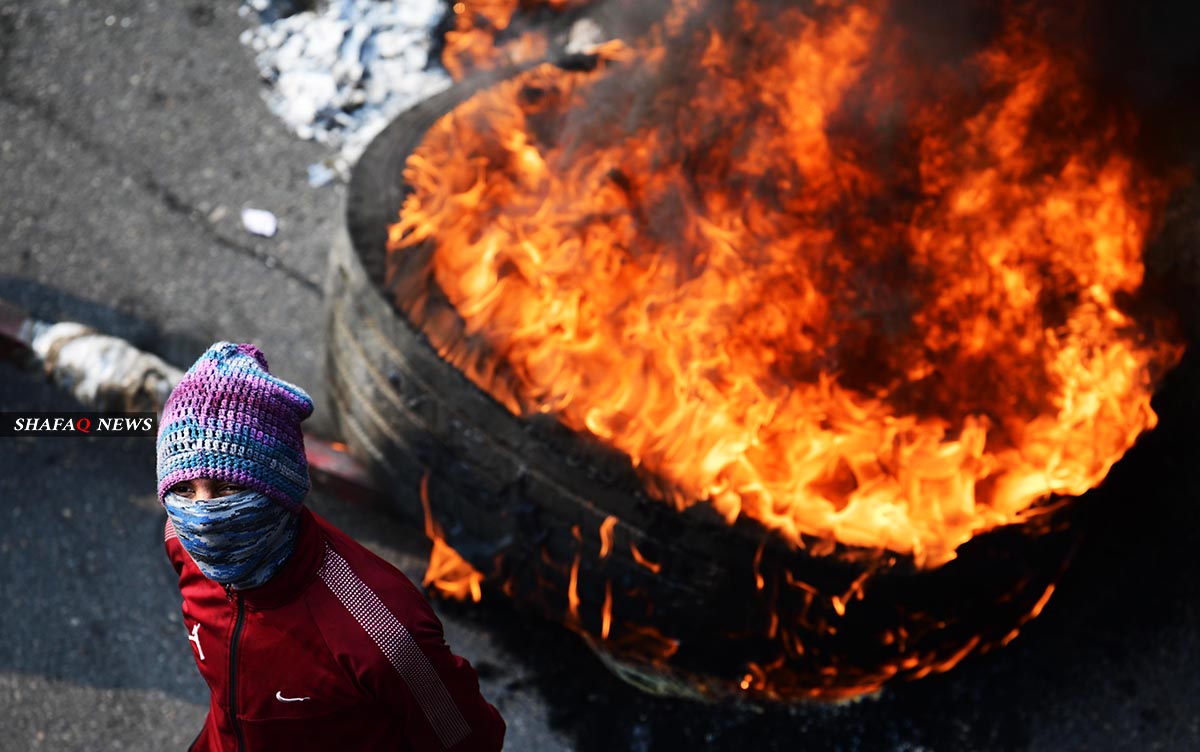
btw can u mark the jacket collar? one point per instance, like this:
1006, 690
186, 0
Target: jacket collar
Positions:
298, 572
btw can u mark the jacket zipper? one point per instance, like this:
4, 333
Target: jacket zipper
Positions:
237, 632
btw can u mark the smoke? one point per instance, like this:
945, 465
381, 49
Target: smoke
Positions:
1144, 57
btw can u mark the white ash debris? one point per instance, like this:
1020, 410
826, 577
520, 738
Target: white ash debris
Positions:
585, 36
260, 222
340, 71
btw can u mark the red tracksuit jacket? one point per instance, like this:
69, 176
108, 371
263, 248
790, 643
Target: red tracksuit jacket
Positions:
339, 651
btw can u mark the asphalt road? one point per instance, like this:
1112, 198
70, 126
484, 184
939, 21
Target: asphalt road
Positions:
132, 132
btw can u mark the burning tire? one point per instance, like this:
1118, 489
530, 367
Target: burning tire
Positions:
675, 601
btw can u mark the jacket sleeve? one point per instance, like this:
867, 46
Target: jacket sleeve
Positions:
434, 692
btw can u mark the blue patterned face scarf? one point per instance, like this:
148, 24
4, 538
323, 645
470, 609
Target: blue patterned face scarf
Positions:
240, 541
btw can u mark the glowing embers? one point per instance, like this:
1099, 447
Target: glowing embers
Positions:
799, 273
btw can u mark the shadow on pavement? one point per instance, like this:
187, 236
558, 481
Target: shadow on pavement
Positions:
52, 305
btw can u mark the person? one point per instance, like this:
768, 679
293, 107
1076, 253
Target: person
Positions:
307, 640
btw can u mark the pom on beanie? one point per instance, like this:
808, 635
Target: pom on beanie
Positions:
230, 419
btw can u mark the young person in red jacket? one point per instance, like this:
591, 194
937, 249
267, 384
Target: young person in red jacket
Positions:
307, 640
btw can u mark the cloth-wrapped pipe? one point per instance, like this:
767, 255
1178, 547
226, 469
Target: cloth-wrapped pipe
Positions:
103, 372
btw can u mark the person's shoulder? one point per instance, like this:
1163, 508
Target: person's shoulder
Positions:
368, 586
361, 560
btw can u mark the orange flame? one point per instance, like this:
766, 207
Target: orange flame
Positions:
893, 330
646, 640
606, 613
1041, 602
473, 43
573, 592
448, 573
642, 560
606, 536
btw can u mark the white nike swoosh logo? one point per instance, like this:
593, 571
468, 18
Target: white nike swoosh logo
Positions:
279, 696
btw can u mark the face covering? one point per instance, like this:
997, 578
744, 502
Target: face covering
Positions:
240, 541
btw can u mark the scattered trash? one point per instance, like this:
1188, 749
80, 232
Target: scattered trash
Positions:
340, 73
259, 222
321, 173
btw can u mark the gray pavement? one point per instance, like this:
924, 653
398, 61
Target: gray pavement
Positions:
132, 133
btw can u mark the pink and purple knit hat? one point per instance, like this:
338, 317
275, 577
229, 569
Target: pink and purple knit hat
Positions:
229, 419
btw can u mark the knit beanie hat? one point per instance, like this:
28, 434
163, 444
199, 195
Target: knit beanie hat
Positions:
229, 419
